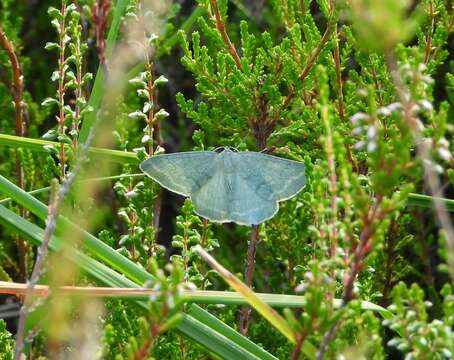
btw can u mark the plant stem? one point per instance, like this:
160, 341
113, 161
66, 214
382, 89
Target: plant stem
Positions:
61, 89
428, 38
100, 19
303, 8
362, 249
144, 350
220, 26
249, 276
78, 92
298, 346
333, 181
17, 92
51, 222
310, 62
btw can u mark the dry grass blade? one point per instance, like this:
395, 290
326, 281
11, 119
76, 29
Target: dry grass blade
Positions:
265, 310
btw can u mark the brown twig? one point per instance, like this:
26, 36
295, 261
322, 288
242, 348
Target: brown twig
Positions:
249, 276
449, 29
300, 339
362, 249
17, 90
144, 350
203, 241
428, 49
303, 8
17, 81
261, 128
310, 62
150, 116
376, 83
100, 18
223, 32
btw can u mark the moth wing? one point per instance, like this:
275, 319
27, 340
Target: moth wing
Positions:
247, 207
271, 177
183, 172
211, 200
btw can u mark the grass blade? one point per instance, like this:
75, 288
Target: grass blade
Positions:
213, 341
426, 201
190, 327
262, 308
97, 153
191, 296
203, 316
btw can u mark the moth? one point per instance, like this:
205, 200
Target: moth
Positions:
227, 185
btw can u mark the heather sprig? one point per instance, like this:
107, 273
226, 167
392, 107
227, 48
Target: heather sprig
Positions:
193, 231
60, 21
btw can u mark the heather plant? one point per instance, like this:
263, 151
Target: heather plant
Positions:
359, 264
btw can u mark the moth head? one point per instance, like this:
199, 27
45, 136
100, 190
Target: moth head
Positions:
226, 149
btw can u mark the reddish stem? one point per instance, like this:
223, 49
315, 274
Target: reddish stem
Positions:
17, 90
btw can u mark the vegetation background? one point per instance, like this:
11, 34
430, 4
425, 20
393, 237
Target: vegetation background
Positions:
359, 265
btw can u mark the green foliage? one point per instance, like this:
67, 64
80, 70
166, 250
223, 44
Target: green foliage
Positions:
192, 231
356, 90
69, 76
164, 313
6, 343
139, 243
421, 335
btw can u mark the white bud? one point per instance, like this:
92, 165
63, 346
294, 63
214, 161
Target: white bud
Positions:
371, 146
394, 106
443, 143
131, 194
359, 145
358, 117
422, 67
426, 105
371, 132
384, 111
358, 130
445, 154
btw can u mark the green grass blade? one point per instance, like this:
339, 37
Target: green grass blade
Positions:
98, 86
208, 319
205, 337
213, 341
93, 245
99, 179
426, 201
34, 235
203, 334
274, 300
273, 317
112, 36
96, 153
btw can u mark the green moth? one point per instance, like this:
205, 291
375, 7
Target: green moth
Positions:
226, 185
